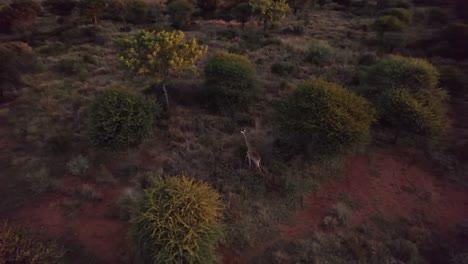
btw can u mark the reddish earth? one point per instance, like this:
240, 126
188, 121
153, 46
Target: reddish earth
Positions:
389, 186
97, 232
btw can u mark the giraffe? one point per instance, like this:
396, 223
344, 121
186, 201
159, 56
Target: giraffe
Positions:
252, 155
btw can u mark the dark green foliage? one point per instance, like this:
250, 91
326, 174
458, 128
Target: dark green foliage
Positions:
17, 246
60, 7
402, 14
421, 115
181, 13
320, 54
282, 68
403, 72
119, 119
92, 9
230, 79
387, 24
207, 6
453, 79
70, 66
178, 220
129, 11
368, 59
242, 13
326, 117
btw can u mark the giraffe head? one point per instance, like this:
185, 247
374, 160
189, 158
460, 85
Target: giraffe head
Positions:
243, 131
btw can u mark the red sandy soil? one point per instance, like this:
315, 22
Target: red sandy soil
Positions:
100, 234
389, 186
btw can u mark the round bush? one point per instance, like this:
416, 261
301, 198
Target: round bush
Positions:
402, 14
180, 12
403, 72
320, 54
327, 116
424, 115
119, 118
387, 24
178, 220
17, 246
230, 79
453, 79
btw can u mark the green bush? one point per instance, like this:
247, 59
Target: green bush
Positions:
282, 68
181, 13
402, 14
92, 9
132, 11
119, 118
368, 59
387, 24
15, 59
403, 72
242, 13
325, 116
230, 79
320, 54
17, 246
70, 66
423, 115
178, 220
453, 79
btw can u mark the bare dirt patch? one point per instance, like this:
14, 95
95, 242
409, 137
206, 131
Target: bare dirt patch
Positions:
104, 236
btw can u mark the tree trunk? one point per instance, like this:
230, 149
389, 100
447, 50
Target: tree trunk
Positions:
166, 96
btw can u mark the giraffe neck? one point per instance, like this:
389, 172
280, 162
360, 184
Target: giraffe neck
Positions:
247, 142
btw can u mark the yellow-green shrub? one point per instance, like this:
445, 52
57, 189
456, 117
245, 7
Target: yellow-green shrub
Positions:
387, 24
422, 115
402, 14
403, 72
325, 116
177, 221
17, 246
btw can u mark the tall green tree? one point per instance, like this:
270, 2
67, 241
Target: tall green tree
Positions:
269, 11
159, 54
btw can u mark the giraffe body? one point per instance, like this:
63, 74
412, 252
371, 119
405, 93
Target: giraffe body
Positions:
252, 155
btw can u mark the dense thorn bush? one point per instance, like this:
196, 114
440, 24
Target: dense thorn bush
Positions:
422, 115
387, 24
15, 58
178, 220
402, 14
181, 13
320, 54
120, 118
403, 72
17, 246
130, 11
326, 117
92, 9
230, 79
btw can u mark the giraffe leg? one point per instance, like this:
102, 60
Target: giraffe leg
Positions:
250, 163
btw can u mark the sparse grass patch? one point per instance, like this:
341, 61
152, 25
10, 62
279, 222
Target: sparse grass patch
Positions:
78, 165
282, 68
